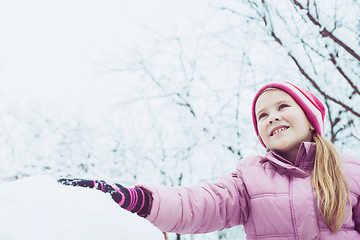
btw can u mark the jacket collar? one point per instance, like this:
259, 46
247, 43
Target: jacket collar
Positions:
304, 163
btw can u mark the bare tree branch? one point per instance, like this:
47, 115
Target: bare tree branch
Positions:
340, 70
326, 33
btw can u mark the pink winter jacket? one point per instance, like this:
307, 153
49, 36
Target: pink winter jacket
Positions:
272, 198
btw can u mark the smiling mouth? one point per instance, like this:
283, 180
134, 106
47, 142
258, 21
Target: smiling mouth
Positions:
279, 130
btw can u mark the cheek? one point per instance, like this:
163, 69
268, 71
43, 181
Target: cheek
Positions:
292, 116
298, 118
262, 130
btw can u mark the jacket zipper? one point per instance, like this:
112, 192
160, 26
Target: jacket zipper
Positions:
292, 211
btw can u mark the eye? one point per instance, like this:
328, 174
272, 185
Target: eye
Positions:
261, 116
283, 106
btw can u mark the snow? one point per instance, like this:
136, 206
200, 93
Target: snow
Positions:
38, 207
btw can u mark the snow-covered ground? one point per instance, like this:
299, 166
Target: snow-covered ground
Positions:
38, 207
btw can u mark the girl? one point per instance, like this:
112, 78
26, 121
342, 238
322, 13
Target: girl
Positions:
301, 189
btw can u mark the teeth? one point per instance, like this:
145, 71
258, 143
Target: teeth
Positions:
279, 130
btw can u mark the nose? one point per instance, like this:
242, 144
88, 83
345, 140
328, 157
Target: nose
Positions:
273, 117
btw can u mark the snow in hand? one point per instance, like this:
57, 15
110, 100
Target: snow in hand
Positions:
39, 207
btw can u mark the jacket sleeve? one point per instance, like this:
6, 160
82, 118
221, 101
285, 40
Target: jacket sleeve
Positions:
206, 207
356, 214
351, 168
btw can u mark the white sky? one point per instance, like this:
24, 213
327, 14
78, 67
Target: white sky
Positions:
48, 49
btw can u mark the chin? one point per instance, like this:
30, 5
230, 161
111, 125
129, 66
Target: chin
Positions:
284, 148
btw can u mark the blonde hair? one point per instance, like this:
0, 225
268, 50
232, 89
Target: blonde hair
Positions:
330, 184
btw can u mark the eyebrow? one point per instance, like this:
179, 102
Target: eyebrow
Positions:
276, 103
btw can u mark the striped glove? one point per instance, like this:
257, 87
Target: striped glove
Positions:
136, 200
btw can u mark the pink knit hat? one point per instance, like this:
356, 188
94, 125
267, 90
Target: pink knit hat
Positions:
310, 104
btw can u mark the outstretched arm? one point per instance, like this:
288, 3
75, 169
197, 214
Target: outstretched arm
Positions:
136, 200
203, 208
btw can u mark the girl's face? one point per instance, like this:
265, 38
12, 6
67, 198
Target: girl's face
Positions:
282, 124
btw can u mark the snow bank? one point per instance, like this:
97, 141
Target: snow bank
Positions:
39, 208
